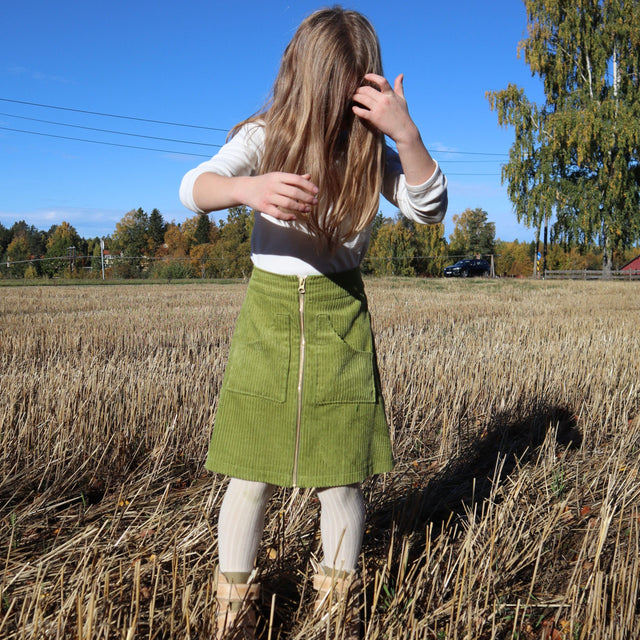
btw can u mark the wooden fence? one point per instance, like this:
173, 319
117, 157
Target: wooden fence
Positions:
592, 274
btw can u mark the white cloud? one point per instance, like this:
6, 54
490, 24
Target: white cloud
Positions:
184, 158
39, 76
441, 148
88, 222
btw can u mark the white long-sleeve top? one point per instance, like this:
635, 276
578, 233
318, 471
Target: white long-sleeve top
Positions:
287, 247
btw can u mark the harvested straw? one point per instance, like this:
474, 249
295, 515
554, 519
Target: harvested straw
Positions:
512, 512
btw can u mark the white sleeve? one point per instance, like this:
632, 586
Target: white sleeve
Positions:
423, 203
238, 157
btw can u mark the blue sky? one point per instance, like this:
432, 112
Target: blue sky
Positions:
212, 64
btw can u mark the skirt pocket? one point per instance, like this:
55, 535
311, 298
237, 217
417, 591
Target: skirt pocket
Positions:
259, 357
344, 374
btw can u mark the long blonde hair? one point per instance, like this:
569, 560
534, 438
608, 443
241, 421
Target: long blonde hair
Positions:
310, 127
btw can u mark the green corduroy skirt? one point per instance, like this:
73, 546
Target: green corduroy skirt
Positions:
300, 403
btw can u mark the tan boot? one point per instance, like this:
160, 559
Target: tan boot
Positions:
235, 610
338, 604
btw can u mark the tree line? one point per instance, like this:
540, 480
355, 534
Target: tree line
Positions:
144, 245
573, 176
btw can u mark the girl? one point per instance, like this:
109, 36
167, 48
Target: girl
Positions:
300, 403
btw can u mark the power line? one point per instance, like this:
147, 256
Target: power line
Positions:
182, 153
193, 126
464, 161
110, 144
113, 115
164, 139
120, 133
470, 153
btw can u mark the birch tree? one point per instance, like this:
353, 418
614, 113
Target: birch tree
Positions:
578, 153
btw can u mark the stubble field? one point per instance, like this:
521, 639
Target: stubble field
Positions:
513, 511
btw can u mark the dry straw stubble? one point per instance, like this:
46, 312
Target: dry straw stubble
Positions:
512, 511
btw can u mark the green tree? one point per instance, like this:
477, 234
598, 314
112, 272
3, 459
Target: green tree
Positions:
63, 242
400, 246
17, 253
432, 245
514, 258
95, 251
368, 266
157, 228
132, 236
207, 260
132, 239
578, 153
393, 249
235, 242
472, 234
35, 239
5, 239
202, 229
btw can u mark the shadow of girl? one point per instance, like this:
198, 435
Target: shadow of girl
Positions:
418, 498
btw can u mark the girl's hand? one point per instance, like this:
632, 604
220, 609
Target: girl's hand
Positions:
386, 108
280, 195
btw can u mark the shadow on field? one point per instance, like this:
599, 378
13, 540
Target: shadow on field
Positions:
415, 496
418, 498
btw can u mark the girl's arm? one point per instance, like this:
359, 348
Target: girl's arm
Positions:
229, 179
277, 194
387, 110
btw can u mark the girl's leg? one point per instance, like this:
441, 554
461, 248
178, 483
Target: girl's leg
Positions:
240, 527
341, 526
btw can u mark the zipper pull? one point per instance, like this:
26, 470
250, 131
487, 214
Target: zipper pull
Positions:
301, 283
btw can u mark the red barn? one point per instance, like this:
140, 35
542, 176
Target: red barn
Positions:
634, 265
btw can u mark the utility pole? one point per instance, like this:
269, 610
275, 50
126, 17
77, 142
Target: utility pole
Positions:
71, 254
544, 251
102, 255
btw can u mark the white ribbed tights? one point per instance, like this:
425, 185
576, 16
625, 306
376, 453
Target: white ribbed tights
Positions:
241, 524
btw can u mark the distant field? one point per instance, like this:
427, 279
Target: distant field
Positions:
513, 512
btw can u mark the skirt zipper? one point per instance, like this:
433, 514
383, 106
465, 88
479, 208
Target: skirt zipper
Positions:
301, 291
